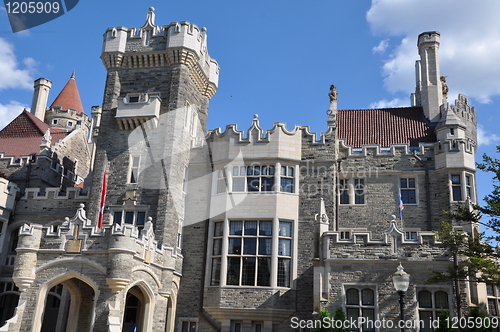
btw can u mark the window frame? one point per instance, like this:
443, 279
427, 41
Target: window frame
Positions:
352, 191
494, 296
360, 306
433, 310
407, 189
228, 257
135, 217
133, 168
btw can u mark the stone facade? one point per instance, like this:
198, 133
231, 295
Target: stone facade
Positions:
232, 231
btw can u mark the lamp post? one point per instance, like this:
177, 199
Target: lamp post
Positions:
401, 281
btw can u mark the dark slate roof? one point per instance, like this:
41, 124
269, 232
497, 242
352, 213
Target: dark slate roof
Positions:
23, 136
386, 126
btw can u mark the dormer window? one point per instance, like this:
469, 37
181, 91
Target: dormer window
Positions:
133, 99
70, 123
54, 121
452, 131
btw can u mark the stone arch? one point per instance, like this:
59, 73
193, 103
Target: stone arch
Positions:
144, 316
82, 293
171, 308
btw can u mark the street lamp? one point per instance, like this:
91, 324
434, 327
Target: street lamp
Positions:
401, 281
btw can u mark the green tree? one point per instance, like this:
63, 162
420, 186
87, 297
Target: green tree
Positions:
480, 319
445, 323
324, 317
339, 316
492, 207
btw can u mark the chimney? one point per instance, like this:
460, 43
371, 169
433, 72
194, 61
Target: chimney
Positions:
431, 95
40, 97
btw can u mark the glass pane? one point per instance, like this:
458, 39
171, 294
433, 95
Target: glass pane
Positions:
266, 228
467, 180
217, 250
359, 197
424, 299
367, 297
242, 170
239, 184
134, 175
457, 193
250, 246
233, 271
404, 183
290, 171
129, 217
135, 162
265, 170
253, 184
235, 171
408, 196
117, 218
141, 216
284, 247
352, 296
264, 272
271, 170
352, 315
215, 279
192, 327
285, 228
441, 299
248, 273
234, 246
218, 229
344, 197
250, 227
221, 186
250, 170
455, 179
235, 228
256, 170
265, 246
426, 317
287, 185
267, 184
411, 183
369, 314
284, 272
492, 309
283, 171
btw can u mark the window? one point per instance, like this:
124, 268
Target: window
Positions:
133, 99
247, 259
260, 178
54, 121
221, 180
351, 191
286, 179
360, 302
493, 295
412, 236
235, 326
70, 123
136, 218
468, 186
188, 326
345, 235
430, 305
456, 187
408, 191
134, 169
249, 253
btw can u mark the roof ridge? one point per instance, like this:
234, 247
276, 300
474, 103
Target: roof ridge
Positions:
24, 125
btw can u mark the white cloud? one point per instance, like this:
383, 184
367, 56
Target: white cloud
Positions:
484, 138
381, 47
9, 111
396, 102
13, 76
470, 42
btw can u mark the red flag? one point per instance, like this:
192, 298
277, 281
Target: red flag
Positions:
103, 198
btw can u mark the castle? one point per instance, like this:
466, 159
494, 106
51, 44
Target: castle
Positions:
138, 216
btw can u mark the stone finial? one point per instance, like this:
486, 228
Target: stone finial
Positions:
150, 18
333, 93
148, 230
444, 87
46, 141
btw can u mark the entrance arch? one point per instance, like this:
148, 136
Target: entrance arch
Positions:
138, 308
73, 298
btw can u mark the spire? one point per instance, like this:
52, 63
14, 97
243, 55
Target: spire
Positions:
69, 97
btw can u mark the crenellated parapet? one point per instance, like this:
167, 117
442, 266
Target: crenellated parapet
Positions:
151, 46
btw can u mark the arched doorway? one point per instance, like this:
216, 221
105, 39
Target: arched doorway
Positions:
9, 298
71, 298
137, 304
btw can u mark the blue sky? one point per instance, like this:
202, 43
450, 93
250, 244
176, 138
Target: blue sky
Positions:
278, 58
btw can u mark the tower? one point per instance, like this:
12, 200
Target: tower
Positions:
429, 92
42, 88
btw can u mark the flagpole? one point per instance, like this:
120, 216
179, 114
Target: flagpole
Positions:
103, 198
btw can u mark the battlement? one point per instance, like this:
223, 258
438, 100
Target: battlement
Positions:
464, 110
152, 46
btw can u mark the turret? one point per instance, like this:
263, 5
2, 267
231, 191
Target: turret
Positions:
40, 97
428, 93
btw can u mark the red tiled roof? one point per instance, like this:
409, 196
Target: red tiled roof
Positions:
23, 136
385, 126
69, 97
